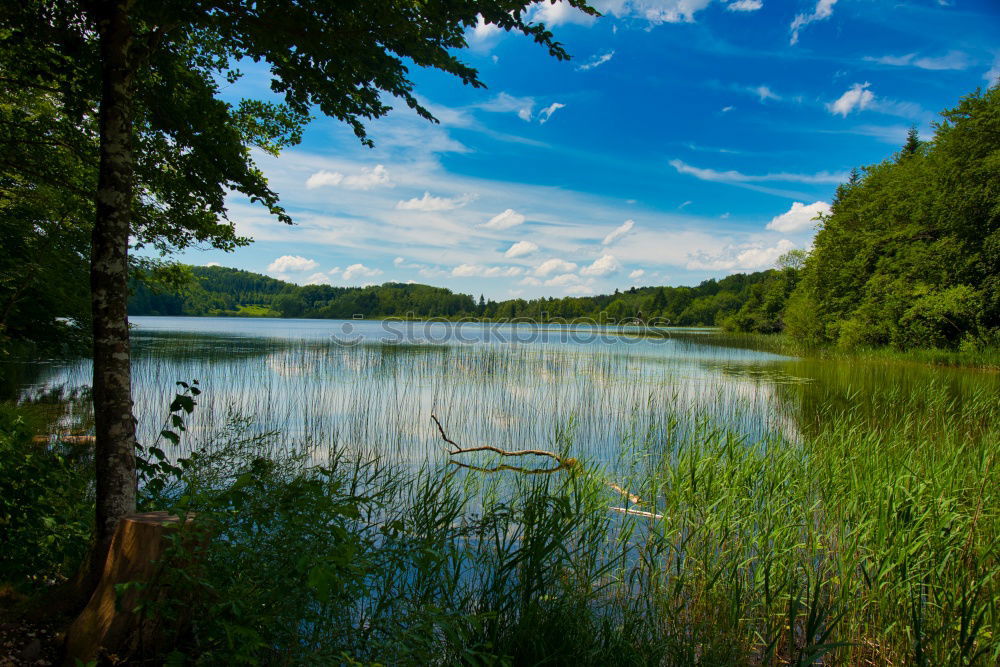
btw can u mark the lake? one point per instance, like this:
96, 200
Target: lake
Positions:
370, 387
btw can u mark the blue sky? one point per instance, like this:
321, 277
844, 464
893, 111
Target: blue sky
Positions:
687, 139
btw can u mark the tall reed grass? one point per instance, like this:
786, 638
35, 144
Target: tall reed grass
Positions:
775, 511
864, 542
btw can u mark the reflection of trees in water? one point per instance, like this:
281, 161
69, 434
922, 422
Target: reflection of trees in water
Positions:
60, 409
882, 394
14, 375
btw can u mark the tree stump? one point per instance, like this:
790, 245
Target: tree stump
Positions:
109, 625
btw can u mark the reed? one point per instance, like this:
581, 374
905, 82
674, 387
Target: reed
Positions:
860, 543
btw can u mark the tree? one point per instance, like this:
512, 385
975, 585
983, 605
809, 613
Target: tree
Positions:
912, 144
43, 266
169, 149
793, 259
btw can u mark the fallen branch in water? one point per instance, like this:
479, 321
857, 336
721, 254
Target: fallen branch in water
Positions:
567, 462
563, 464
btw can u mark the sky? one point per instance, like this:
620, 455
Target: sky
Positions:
685, 140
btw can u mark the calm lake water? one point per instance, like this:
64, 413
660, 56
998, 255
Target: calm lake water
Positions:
371, 386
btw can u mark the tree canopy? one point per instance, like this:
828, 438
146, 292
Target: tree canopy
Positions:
909, 255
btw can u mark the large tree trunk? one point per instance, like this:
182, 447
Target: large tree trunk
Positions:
112, 389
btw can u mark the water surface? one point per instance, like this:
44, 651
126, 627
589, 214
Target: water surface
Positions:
371, 386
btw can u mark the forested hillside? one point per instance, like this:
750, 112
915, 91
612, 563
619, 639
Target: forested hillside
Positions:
754, 300
216, 290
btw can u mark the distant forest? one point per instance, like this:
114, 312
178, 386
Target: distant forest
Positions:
215, 290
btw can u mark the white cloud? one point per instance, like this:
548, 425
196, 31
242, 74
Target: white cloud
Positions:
949, 61
747, 257
563, 280
323, 178
360, 271
684, 205
992, 75
638, 273
580, 290
910, 110
506, 103
212, 264
318, 279
618, 232
766, 93
733, 176
467, 270
596, 61
520, 249
484, 31
547, 112
554, 265
399, 261
656, 11
506, 220
559, 13
531, 282
503, 271
470, 270
432, 272
429, 203
727, 109
890, 134
602, 266
562, 222
366, 180
857, 97
798, 217
745, 6
823, 10
287, 263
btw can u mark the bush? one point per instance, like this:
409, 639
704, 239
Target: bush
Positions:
46, 506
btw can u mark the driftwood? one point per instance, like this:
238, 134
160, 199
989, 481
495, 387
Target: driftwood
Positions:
567, 462
632, 498
564, 463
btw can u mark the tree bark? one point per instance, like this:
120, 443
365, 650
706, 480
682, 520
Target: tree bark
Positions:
112, 386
